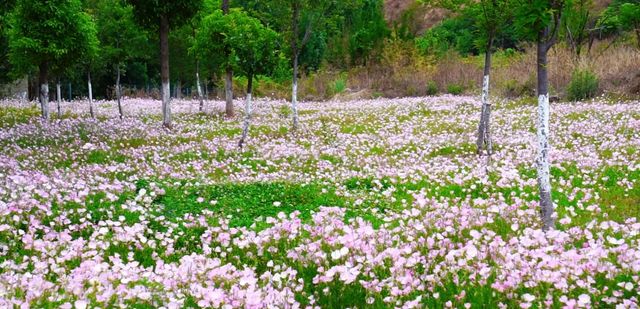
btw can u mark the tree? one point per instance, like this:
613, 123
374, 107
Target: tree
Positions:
5, 67
242, 43
160, 16
492, 17
297, 20
578, 24
630, 18
539, 21
120, 37
45, 32
90, 61
228, 77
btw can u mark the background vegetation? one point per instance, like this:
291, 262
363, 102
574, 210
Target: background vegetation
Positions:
361, 49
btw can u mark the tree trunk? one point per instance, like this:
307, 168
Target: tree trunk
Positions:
164, 71
228, 93
70, 92
199, 87
295, 52
44, 89
179, 89
58, 97
294, 93
119, 92
91, 111
544, 182
247, 110
228, 80
484, 137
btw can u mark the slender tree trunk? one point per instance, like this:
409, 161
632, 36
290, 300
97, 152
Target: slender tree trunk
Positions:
119, 92
164, 71
179, 89
58, 97
295, 8
70, 92
91, 111
484, 137
228, 80
228, 93
198, 86
43, 80
247, 110
544, 181
294, 93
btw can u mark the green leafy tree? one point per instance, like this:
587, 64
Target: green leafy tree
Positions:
241, 42
492, 17
539, 21
298, 21
161, 16
5, 67
121, 39
577, 24
630, 18
43, 33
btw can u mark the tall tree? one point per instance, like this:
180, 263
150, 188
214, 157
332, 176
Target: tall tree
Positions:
491, 19
161, 16
539, 21
251, 46
121, 39
46, 31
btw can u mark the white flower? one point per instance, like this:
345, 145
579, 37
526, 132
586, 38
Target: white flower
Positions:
528, 297
472, 252
584, 300
277, 204
80, 304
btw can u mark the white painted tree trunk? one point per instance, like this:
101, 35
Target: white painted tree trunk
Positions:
91, 111
119, 92
58, 98
43, 80
199, 88
294, 94
544, 178
247, 120
166, 107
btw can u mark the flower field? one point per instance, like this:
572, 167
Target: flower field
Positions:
372, 204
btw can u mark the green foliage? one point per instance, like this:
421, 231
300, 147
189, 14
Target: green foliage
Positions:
533, 16
583, 85
455, 89
237, 40
120, 37
453, 33
246, 202
5, 66
468, 33
55, 32
149, 12
340, 85
432, 88
576, 19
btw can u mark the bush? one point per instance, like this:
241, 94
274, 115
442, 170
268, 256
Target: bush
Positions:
583, 85
339, 85
454, 89
432, 88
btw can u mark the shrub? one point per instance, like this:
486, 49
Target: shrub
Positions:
454, 89
432, 88
339, 85
583, 85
